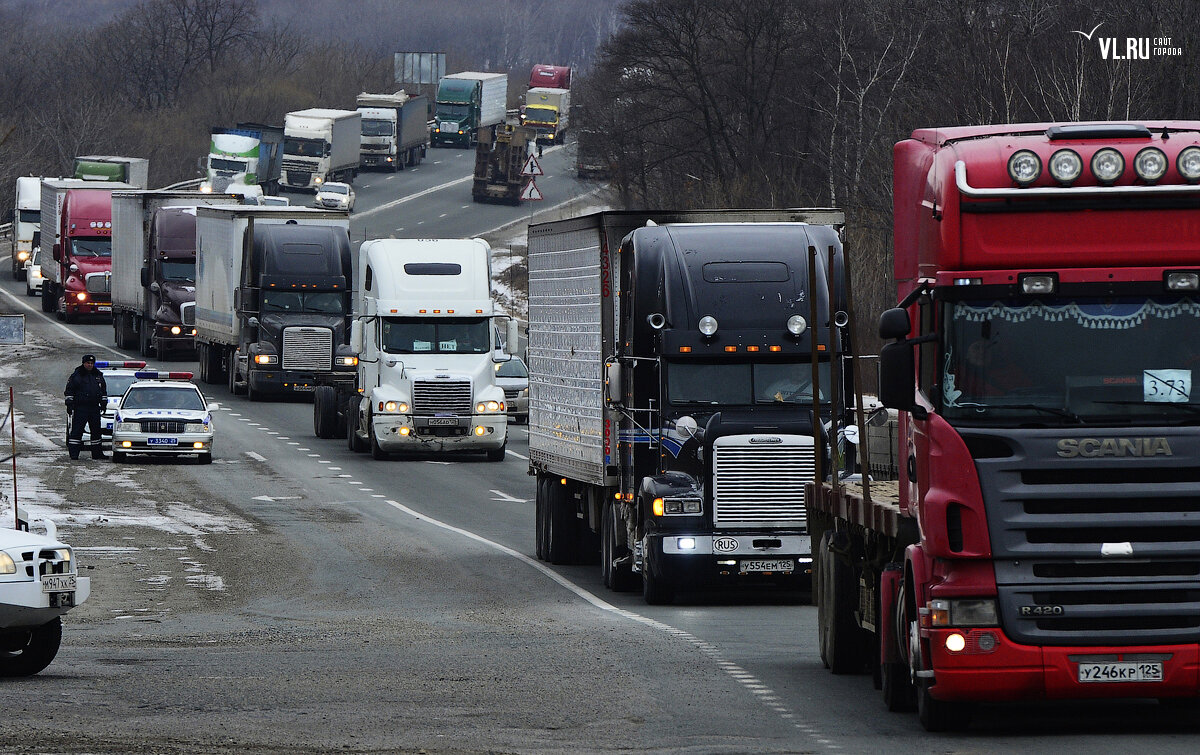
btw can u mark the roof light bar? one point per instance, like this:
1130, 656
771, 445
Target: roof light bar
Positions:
120, 365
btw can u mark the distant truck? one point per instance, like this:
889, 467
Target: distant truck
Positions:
273, 298
556, 77
498, 165
395, 130
672, 416
26, 223
591, 160
250, 154
134, 171
467, 104
320, 145
76, 220
425, 337
547, 111
154, 268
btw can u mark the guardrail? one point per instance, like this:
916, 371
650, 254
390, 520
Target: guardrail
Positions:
5, 230
193, 183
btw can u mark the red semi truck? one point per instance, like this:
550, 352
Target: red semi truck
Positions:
77, 229
556, 77
1043, 542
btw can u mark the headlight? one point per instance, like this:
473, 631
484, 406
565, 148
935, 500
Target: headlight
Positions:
1188, 164
1066, 165
6, 564
266, 359
1150, 164
22, 255
393, 407
63, 554
681, 506
524, 392
963, 613
128, 427
1024, 167
176, 330
198, 427
708, 325
347, 361
487, 407
81, 296
1107, 166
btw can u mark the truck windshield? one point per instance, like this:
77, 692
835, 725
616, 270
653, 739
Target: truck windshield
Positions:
329, 303
453, 112
91, 247
412, 335
541, 114
722, 383
179, 271
222, 163
376, 128
304, 147
29, 216
1113, 359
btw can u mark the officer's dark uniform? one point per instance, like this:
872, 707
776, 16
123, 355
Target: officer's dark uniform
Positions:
87, 395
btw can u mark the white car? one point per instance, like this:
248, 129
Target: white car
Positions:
513, 376
167, 415
39, 582
335, 196
33, 274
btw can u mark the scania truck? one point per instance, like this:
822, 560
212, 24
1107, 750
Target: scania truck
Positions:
1042, 543
273, 298
672, 419
425, 332
320, 145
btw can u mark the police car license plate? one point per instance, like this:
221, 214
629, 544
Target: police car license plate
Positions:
162, 441
443, 421
758, 565
58, 582
1129, 671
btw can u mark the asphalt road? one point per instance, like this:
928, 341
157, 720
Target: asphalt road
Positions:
297, 597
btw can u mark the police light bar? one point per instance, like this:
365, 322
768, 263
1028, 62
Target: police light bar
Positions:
156, 375
121, 365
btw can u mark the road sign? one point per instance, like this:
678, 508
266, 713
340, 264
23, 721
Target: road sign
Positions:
531, 193
532, 168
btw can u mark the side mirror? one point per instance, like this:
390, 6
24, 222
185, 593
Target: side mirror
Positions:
878, 418
147, 277
510, 337
252, 322
897, 376
154, 286
613, 394
356, 336
894, 323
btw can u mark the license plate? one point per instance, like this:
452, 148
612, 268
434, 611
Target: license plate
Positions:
303, 388
162, 441
443, 421
757, 565
103, 309
1129, 671
58, 583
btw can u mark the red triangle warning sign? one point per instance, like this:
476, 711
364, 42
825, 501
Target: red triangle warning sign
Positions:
532, 167
531, 192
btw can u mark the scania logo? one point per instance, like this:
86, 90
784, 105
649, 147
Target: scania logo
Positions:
766, 439
1070, 448
725, 544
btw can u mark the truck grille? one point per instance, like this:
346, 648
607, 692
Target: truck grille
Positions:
307, 348
1092, 551
442, 397
299, 177
760, 485
511, 393
187, 314
162, 426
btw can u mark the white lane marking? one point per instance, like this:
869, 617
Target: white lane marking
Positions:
420, 222
514, 453
411, 197
275, 498
437, 162
444, 214
465, 206
507, 498
354, 482
438, 462
283, 437
366, 490
231, 414
337, 469
256, 457
401, 228
343, 475
57, 324
293, 443
303, 449
325, 461
707, 648
314, 456
378, 496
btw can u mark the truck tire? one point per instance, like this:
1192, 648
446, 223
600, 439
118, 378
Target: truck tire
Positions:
539, 518
561, 538
47, 296
656, 589
899, 693
145, 340
325, 411
232, 375
210, 362
497, 454
619, 578
352, 440
27, 652
845, 642
377, 452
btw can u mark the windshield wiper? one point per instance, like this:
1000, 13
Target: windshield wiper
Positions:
1193, 408
1037, 408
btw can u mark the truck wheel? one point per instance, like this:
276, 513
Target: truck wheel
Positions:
340, 418
210, 363
377, 453
352, 440
539, 518
234, 388
940, 715
846, 643
47, 297
325, 411
145, 342
899, 693
620, 578
821, 575
656, 589
496, 454
561, 538
26, 653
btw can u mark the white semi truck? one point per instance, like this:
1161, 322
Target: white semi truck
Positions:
320, 145
26, 222
424, 332
395, 130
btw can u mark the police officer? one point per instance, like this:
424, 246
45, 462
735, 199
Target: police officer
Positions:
87, 395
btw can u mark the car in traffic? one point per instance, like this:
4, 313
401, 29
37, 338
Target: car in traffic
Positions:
33, 273
335, 196
164, 414
513, 376
39, 582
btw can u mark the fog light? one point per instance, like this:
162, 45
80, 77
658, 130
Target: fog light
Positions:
480, 429
956, 642
686, 543
198, 444
1183, 281
1108, 165
1038, 284
987, 642
405, 431
1024, 167
126, 444
1188, 164
1065, 166
1150, 164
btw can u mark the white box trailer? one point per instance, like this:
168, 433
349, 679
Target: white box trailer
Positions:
320, 145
